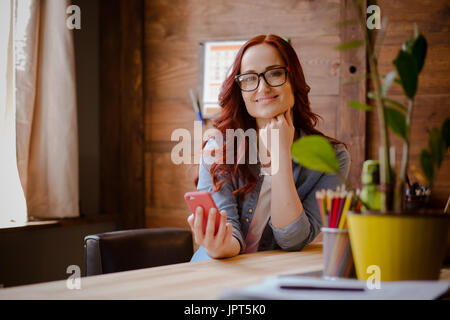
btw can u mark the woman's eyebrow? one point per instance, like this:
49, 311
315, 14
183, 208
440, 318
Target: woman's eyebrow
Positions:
267, 68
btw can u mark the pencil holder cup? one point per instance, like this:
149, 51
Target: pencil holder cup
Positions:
337, 254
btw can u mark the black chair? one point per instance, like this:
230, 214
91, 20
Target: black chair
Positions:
135, 249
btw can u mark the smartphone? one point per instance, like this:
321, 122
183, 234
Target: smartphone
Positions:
202, 199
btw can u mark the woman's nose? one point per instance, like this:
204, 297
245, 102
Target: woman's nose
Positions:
263, 86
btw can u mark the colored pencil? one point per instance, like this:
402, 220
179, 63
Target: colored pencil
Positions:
324, 206
320, 205
348, 202
358, 203
340, 207
334, 204
329, 194
334, 210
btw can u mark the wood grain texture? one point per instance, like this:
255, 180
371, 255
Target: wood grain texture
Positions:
122, 109
202, 20
109, 106
196, 280
351, 123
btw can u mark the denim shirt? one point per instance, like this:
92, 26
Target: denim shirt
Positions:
294, 236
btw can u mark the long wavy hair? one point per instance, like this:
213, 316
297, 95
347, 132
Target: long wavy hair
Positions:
234, 115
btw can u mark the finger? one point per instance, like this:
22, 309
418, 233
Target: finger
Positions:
263, 135
198, 223
276, 119
209, 234
274, 123
223, 226
190, 221
281, 118
289, 117
229, 233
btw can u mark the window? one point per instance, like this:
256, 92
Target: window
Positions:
12, 200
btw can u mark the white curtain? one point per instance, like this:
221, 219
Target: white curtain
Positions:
12, 201
45, 100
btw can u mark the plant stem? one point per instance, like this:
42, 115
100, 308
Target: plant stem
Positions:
399, 205
385, 173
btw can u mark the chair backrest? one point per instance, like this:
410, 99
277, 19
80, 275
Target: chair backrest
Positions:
135, 249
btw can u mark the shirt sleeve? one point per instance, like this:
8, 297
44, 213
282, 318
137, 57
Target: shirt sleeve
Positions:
223, 198
305, 229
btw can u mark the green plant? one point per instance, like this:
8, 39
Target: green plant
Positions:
408, 64
431, 157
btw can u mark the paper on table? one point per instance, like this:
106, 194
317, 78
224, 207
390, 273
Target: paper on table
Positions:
344, 289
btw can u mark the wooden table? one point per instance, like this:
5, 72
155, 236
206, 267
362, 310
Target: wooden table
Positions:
199, 280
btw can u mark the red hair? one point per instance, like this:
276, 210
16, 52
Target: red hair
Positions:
234, 114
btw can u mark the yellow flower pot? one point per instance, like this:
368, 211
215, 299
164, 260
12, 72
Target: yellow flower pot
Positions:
403, 247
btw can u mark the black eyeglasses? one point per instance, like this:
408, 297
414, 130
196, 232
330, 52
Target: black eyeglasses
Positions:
274, 77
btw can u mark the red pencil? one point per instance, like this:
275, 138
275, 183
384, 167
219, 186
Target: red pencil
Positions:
358, 206
334, 205
342, 198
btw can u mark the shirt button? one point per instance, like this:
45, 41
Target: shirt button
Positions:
246, 220
250, 210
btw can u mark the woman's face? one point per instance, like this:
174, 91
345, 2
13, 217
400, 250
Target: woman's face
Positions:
265, 102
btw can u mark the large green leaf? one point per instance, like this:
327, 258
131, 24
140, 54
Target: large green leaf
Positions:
396, 121
419, 51
315, 152
446, 132
397, 105
406, 67
437, 146
426, 163
360, 105
350, 45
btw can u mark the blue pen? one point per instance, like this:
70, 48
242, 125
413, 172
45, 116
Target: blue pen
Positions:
195, 105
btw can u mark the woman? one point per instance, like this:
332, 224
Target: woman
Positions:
262, 208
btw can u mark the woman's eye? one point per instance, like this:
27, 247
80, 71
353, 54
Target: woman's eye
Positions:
248, 79
276, 73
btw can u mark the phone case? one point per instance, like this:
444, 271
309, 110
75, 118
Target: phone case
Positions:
203, 199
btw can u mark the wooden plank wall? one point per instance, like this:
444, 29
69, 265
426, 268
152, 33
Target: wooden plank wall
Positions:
173, 30
432, 104
351, 123
122, 111
149, 60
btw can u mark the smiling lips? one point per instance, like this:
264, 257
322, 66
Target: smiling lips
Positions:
266, 100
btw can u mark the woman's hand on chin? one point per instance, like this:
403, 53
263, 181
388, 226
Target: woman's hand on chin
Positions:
285, 124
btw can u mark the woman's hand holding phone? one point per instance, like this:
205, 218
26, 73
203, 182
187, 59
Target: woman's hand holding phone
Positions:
217, 246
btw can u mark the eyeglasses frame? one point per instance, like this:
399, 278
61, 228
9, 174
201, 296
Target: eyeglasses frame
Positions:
263, 74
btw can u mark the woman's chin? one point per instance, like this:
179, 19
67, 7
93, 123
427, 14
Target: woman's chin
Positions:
269, 114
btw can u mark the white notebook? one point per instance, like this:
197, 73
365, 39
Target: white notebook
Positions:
311, 288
